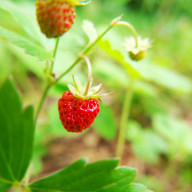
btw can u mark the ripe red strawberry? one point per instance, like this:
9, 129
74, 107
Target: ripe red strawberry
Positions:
77, 114
55, 17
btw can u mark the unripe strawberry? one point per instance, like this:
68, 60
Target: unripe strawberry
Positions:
137, 52
77, 114
137, 56
56, 17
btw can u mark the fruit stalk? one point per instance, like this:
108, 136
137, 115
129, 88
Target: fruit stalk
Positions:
126, 24
48, 85
89, 74
124, 118
87, 49
54, 54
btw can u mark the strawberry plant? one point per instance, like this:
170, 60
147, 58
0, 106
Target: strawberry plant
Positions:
77, 108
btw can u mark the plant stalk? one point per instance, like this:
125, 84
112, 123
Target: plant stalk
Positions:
54, 54
115, 22
48, 85
89, 74
86, 50
126, 24
124, 118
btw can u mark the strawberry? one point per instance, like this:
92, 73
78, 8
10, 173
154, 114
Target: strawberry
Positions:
137, 51
56, 17
77, 114
78, 110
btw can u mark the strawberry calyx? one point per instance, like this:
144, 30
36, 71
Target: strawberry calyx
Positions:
79, 90
79, 2
86, 91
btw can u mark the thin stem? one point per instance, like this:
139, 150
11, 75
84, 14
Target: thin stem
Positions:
124, 23
89, 74
86, 50
124, 118
41, 101
69, 69
48, 85
27, 175
54, 54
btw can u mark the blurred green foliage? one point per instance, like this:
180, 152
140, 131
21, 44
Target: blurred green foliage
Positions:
162, 100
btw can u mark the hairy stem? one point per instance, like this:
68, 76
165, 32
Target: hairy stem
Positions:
48, 85
115, 22
54, 54
124, 118
87, 49
126, 24
89, 74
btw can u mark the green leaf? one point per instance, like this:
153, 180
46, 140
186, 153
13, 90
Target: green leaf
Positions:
90, 30
4, 186
118, 56
95, 177
16, 138
27, 61
136, 188
21, 18
145, 88
152, 182
146, 144
171, 128
30, 48
115, 76
165, 77
10, 22
105, 123
123, 187
177, 133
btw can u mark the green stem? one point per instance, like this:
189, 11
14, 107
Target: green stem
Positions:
124, 118
115, 22
124, 23
87, 49
89, 74
48, 85
27, 175
54, 54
